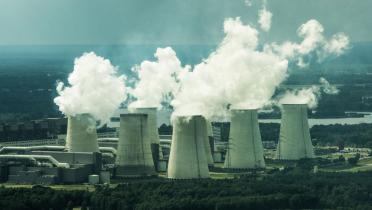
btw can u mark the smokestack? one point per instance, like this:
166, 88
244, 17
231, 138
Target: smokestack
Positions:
81, 134
187, 158
294, 141
152, 126
209, 143
245, 150
134, 156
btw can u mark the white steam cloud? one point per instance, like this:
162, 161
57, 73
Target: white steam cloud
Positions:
264, 19
313, 42
157, 80
309, 96
95, 89
235, 75
239, 75
327, 87
248, 3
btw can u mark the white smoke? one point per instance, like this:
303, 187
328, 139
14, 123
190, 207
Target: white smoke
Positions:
264, 19
157, 80
309, 96
236, 75
248, 3
95, 89
239, 75
327, 87
313, 42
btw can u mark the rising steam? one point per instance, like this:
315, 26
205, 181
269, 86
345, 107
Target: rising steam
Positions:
264, 19
95, 89
239, 75
309, 96
157, 80
313, 44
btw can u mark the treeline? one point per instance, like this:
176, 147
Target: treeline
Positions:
288, 189
359, 135
42, 198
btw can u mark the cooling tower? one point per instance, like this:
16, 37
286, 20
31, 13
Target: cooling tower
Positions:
294, 141
245, 150
208, 141
152, 126
187, 158
134, 156
81, 134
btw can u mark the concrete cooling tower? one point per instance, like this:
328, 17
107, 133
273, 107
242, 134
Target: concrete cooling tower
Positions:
294, 141
134, 156
187, 158
209, 144
245, 150
152, 126
81, 134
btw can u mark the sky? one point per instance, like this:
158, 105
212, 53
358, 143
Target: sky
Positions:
33, 22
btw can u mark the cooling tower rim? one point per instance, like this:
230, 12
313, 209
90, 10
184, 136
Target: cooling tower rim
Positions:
186, 116
244, 110
139, 109
145, 107
79, 114
133, 114
294, 104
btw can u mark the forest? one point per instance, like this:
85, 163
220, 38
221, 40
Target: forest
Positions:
295, 188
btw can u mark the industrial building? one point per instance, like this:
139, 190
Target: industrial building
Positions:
47, 165
294, 140
135, 148
188, 159
245, 150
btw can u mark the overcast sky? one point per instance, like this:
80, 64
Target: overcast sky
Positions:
169, 21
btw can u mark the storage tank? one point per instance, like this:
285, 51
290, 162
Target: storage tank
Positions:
294, 140
187, 158
245, 150
81, 134
134, 157
152, 126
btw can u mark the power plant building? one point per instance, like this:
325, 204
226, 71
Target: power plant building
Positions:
294, 140
188, 159
245, 150
134, 156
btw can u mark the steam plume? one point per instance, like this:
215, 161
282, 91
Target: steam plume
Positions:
157, 80
239, 75
313, 43
327, 87
309, 96
264, 19
94, 89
